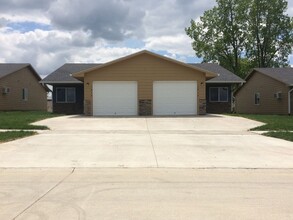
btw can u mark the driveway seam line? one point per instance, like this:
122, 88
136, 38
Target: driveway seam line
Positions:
46, 193
152, 142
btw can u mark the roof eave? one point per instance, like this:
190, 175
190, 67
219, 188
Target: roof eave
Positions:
210, 75
61, 82
225, 82
80, 74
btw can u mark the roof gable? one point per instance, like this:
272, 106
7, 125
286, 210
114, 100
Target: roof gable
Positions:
9, 68
284, 75
80, 74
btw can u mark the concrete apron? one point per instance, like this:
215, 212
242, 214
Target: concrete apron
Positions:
181, 142
146, 194
162, 191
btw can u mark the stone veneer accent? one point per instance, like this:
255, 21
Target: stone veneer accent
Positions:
87, 107
145, 107
202, 107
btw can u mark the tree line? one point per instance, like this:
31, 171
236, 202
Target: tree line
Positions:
244, 34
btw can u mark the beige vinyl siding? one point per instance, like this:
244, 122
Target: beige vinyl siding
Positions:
17, 81
266, 87
145, 69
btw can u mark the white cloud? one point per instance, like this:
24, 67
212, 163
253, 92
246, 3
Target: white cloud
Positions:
54, 48
95, 31
178, 44
101, 54
23, 10
44, 49
170, 17
111, 20
290, 8
291, 60
37, 17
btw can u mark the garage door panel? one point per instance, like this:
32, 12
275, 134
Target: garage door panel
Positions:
114, 98
175, 97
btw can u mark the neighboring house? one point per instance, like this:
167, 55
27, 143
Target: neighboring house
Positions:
20, 88
266, 91
143, 83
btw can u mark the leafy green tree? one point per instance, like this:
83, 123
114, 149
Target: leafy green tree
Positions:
241, 34
270, 33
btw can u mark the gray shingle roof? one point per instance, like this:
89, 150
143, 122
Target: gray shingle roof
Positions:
284, 74
63, 74
8, 68
225, 76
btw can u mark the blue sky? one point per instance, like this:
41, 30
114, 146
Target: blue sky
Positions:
27, 26
42, 33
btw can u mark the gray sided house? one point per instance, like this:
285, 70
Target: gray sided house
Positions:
142, 84
68, 92
20, 88
266, 91
219, 90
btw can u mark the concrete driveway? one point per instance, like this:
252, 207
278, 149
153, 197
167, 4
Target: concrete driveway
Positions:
165, 142
71, 171
139, 193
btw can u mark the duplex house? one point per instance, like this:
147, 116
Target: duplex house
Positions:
143, 83
267, 91
20, 88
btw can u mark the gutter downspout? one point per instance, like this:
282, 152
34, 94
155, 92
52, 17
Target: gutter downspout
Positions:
232, 103
233, 99
289, 101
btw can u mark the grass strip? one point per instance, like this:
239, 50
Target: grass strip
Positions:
280, 134
272, 122
23, 119
13, 135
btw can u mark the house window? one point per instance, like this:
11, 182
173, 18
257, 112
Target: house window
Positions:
24, 94
218, 94
257, 98
65, 95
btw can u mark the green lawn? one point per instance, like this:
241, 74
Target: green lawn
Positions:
279, 126
280, 134
22, 119
12, 135
273, 122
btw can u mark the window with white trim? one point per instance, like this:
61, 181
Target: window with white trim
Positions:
257, 98
219, 94
65, 95
25, 94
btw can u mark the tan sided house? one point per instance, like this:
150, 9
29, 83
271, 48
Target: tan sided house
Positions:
267, 91
20, 88
143, 83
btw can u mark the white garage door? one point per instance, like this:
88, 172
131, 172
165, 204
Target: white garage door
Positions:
115, 98
175, 98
